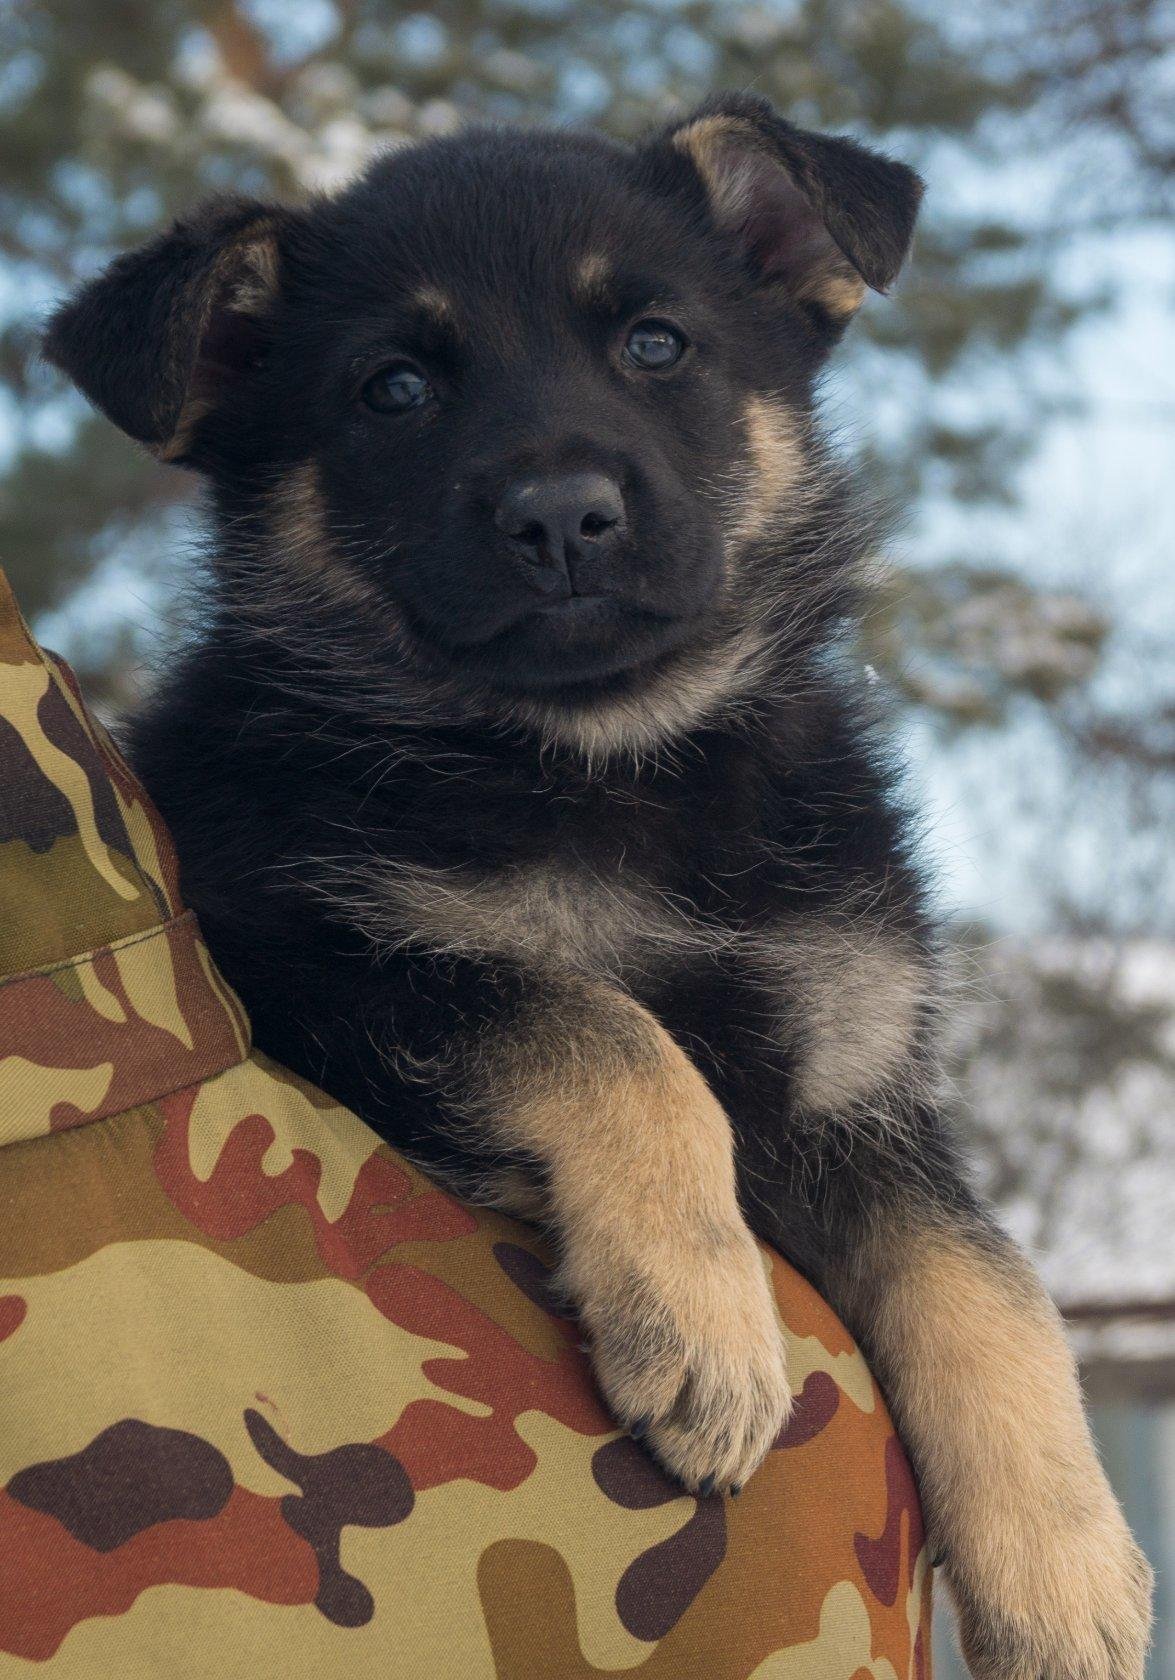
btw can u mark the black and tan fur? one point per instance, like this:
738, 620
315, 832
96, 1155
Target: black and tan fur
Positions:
570, 862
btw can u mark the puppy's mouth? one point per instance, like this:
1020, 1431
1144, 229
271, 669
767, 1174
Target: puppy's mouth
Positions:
576, 642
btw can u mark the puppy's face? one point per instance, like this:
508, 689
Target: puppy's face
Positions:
530, 384
526, 400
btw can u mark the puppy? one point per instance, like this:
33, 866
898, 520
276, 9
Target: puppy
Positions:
525, 799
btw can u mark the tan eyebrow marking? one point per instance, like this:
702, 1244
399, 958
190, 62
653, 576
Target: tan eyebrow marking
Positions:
591, 277
436, 304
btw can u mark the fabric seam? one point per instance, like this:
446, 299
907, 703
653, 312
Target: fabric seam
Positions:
86, 957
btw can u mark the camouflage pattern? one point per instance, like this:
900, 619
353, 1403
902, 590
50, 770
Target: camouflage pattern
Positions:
271, 1402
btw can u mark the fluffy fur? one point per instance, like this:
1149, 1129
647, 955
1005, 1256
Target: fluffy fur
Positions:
577, 870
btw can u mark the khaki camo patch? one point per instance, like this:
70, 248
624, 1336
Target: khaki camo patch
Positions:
841, 1651
148, 1008
25, 687
35, 1092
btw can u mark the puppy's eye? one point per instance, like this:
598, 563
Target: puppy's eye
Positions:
397, 388
653, 345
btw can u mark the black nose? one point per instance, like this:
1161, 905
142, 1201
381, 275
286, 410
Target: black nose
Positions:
555, 520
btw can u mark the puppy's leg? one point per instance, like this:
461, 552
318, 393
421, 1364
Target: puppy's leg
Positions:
638, 1158
1047, 1581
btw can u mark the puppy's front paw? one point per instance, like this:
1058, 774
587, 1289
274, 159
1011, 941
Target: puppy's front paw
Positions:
694, 1363
1073, 1605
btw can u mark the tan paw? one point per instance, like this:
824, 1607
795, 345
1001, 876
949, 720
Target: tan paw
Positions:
1078, 1608
694, 1362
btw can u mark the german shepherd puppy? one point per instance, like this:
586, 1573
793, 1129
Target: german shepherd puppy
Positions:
525, 799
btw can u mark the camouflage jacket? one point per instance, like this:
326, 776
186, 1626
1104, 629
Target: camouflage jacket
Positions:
272, 1403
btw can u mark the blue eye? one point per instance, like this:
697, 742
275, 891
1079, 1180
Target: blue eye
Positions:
397, 388
653, 345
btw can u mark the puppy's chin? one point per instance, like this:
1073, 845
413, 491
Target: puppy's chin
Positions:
577, 647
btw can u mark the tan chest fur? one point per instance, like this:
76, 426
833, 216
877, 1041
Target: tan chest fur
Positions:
549, 917
847, 991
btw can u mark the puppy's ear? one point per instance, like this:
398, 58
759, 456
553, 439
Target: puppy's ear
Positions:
155, 340
816, 214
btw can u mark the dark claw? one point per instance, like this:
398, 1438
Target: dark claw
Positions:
640, 1427
736, 1489
706, 1487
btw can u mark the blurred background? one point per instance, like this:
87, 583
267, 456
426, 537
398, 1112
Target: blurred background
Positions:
1016, 398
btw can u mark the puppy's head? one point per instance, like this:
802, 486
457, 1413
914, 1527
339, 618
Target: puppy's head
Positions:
525, 404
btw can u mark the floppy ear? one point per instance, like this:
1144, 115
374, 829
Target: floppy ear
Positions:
814, 213
154, 340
